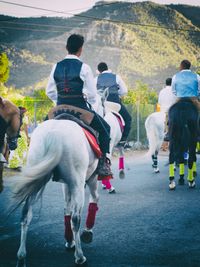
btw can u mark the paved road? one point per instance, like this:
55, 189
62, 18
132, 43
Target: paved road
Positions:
142, 225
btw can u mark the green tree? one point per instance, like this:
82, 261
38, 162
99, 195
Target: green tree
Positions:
4, 68
142, 94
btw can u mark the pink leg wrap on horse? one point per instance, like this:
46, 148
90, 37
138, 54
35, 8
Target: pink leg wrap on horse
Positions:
106, 183
121, 163
92, 209
68, 229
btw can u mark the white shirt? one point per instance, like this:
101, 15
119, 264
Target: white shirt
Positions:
166, 99
86, 75
122, 86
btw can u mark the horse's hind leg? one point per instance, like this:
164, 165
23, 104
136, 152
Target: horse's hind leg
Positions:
155, 162
172, 184
87, 234
181, 180
77, 201
25, 221
67, 218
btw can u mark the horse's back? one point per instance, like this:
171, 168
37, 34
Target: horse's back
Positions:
155, 119
183, 110
58, 133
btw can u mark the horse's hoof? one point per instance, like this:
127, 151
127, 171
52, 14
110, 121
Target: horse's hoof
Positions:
156, 170
111, 190
192, 184
181, 181
21, 263
172, 185
121, 174
70, 245
82, 261
87, 236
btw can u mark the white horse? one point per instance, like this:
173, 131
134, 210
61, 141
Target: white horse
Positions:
56, 144
154, 125
108, 110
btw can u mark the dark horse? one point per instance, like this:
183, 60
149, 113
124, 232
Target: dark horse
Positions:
183, 132
10, 122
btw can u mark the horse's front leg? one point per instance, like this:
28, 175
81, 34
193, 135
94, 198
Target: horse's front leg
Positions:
87, 234
121, 162
25, 221
192, 166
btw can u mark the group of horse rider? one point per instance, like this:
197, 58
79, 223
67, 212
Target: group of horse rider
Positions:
71, 82
184, 84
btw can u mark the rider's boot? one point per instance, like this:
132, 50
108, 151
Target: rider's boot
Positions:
103, 168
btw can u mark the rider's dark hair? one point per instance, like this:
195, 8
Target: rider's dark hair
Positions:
102, 67
74, 43
185, 64
168, 81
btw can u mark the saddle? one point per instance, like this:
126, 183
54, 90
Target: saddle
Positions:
81, 114
83, 118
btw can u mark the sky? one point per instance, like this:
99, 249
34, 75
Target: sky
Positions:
66, 6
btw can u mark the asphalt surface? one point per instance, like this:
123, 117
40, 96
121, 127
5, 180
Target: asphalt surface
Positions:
142, 225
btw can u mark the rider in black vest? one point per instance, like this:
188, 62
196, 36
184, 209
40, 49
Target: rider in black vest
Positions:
69, 81
117, 89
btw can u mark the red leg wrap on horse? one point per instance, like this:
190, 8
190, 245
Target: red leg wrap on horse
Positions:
68, 229
92, 209
106, 183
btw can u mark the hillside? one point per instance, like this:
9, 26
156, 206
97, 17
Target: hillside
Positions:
190, 12
132, 47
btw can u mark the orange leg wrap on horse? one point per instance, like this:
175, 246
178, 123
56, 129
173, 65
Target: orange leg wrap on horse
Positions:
92, 209
68, 229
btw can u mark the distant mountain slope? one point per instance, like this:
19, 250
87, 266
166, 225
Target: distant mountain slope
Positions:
144, 45
190, 12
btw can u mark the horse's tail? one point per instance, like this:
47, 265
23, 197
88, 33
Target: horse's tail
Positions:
154, 135
36, 175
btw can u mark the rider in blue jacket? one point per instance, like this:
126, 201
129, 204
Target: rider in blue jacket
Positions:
117, 89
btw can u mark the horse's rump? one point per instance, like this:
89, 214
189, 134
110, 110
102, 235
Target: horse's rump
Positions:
55, 144
154, 126
183, 123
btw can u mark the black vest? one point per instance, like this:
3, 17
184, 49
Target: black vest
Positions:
108, 79
68, 82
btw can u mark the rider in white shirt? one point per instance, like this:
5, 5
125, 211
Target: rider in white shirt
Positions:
166, 99
69, 81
